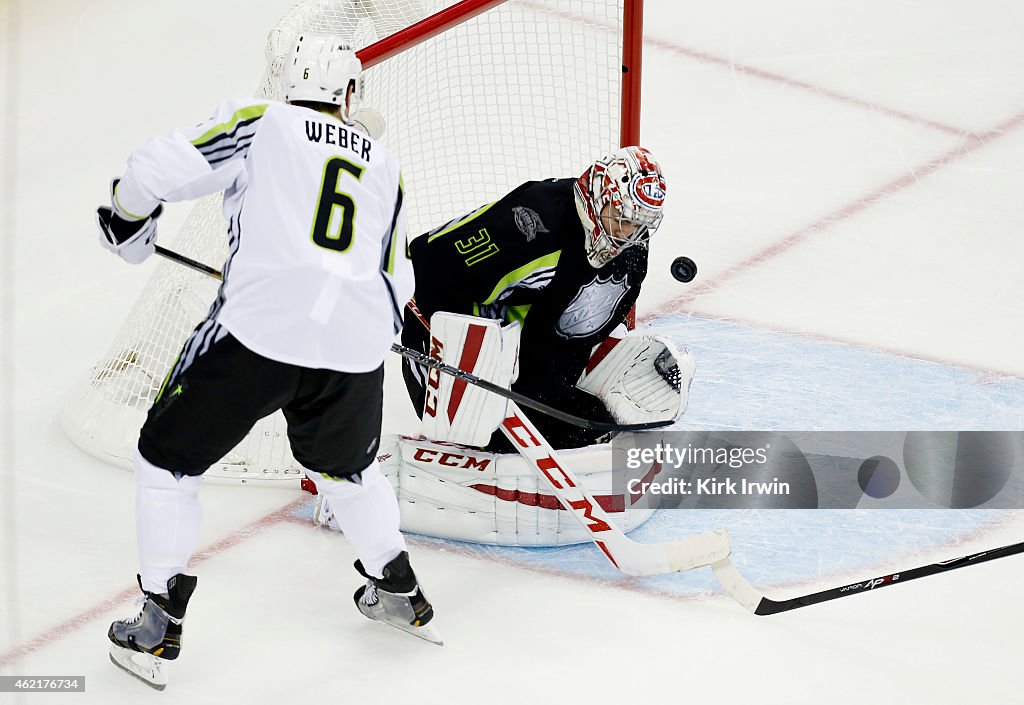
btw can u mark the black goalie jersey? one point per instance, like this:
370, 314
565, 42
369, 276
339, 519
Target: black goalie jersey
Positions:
522, 259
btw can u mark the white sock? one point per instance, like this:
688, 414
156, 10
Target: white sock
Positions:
367, 512
168, 517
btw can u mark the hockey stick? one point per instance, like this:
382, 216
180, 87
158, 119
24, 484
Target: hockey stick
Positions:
456, 372
630, 557
743, 592
188, 262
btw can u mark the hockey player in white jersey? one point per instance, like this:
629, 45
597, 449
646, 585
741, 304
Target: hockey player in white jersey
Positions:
315, 282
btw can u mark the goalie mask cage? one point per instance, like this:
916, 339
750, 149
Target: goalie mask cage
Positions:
478, 96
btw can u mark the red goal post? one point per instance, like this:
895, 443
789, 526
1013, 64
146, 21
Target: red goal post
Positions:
478, 95
632, 51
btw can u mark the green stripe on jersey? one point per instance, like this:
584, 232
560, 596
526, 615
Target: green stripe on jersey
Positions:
167, 379
549, 260
117, 202
394, 234
517, 313
247, 113
459, 223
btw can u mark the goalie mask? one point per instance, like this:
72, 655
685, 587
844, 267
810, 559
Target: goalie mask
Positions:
320, 69
619, 200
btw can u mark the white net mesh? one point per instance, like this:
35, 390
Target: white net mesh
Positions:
527, 90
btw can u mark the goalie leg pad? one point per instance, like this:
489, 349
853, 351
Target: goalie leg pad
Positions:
455, 410
456, 492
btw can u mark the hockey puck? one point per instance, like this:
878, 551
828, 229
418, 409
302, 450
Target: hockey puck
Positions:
684, 269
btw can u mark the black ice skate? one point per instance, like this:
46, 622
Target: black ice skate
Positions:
143, 643
397, 599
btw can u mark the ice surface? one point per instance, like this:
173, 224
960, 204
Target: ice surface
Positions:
848, 180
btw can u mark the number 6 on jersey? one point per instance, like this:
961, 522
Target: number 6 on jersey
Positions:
339, 237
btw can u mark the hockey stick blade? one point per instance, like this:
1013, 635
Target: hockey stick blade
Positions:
743, 592
456, 372
627, 555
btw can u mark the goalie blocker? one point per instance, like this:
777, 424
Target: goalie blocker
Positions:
450, 489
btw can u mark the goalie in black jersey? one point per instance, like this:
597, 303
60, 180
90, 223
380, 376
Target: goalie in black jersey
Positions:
563, 257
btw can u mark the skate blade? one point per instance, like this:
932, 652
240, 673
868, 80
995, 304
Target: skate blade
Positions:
427, 632
147, 668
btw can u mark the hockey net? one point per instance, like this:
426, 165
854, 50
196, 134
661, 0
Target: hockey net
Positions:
507, 92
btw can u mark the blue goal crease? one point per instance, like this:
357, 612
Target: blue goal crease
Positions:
752, 379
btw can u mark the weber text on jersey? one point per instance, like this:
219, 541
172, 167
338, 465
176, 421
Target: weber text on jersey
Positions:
340, 136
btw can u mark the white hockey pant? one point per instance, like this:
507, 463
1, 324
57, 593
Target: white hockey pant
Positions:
168, 517
367, 512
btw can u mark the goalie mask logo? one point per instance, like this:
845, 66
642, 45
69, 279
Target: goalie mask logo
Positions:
649, 191
528, 222
592, 307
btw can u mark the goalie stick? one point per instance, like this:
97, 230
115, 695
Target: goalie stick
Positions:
743, 592
630, 557
456, 372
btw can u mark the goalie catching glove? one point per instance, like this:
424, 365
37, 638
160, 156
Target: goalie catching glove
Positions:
131, 237
640, 378
369, 121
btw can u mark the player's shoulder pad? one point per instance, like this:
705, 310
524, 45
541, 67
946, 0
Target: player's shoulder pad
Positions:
251, 106
231, 114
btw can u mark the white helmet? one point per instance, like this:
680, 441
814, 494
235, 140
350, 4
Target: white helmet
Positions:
619, 200
320, 69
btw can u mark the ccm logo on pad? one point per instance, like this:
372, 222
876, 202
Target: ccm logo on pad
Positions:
433, 379
451, 460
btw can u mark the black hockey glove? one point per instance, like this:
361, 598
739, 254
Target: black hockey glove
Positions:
132, 240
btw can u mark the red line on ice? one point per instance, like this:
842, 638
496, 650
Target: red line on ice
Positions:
83, 618
762, 74
965, 148
819, 91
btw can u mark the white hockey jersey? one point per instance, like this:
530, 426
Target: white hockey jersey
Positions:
317, 272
